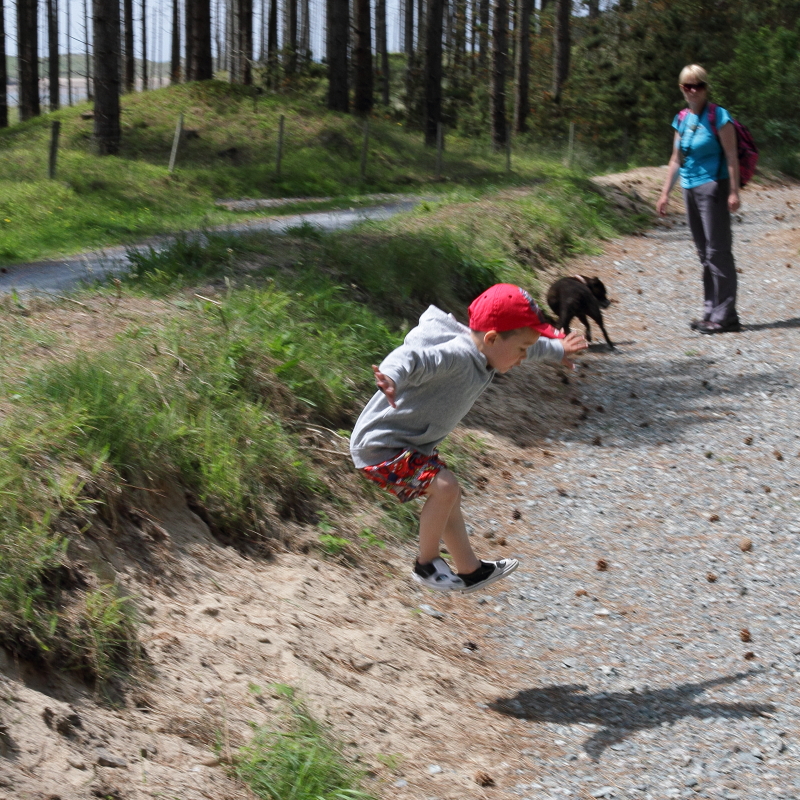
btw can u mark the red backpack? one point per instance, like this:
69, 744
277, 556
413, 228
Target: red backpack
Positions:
747, 151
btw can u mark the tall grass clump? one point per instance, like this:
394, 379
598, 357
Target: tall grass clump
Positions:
105, 635
47, 612
301, 762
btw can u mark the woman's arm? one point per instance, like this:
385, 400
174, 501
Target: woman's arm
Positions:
727, 136
672, 176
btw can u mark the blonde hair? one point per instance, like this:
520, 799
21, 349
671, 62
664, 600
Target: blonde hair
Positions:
694, 73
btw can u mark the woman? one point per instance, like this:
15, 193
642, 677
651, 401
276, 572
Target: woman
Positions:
709, 170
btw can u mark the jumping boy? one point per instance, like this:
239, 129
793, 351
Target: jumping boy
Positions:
426, 386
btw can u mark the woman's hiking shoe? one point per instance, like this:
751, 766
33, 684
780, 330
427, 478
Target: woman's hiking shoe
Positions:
438, 576
732, 326
487, 573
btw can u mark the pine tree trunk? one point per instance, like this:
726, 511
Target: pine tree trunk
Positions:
88, 62
290, 41
272, 43
499, 70
246, 50
459, 45
145, 72
381, 49
175, 55
69, 51
218, 26
561, 45
522, 64
433, 70
363, 85
305, 32
408, 42
188, 38
408, 28
338, 42
594, 8
483, 38
3, 71
28, 59
52, 55
106, 26
199, 63
129, 70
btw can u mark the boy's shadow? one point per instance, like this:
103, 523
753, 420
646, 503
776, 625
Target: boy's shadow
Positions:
622, 714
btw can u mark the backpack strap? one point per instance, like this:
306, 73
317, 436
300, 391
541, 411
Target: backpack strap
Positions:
712, 117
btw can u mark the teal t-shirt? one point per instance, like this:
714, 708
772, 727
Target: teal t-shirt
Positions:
703, 157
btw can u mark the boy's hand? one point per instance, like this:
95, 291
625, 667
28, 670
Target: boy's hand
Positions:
573, 343
386, 385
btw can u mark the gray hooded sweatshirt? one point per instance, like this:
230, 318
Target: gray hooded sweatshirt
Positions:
439, 373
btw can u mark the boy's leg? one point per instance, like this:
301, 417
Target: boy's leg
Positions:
441, 518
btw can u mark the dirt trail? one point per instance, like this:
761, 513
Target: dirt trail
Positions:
567, 680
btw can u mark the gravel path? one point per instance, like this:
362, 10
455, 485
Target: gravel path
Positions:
52, 277
651, 639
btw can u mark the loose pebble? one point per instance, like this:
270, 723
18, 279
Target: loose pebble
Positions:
105, 759
431, 611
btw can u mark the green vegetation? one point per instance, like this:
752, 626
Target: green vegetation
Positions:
302, 762
622, 92
262, 341
228, 152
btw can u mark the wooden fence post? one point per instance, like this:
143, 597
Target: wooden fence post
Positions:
571, 145
279, 150
439, 137
55, 130
364, 151
176, 139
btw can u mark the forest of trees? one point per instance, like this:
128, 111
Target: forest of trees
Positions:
489, 68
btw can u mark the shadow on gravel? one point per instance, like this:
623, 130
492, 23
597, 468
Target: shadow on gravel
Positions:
794, 322
619, 399
622, 714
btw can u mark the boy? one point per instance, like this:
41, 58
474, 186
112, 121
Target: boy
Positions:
426, 386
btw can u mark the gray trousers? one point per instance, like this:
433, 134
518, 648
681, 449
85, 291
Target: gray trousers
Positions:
710, 223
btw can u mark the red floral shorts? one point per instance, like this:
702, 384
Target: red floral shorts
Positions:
408, 476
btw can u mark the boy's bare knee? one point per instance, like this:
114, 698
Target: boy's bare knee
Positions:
446, 484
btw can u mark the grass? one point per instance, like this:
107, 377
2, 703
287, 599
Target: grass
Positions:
97, 201
301, 762
259, 341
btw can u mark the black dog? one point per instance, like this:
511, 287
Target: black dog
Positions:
581, 297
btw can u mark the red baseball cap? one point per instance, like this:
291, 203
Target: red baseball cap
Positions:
504, 307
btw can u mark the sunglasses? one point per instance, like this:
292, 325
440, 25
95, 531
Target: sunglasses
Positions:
692, 87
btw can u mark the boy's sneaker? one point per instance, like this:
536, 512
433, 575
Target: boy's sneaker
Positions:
487, 573
437, 575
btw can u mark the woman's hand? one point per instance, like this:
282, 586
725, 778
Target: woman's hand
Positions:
673, 169
733, 201
386, 385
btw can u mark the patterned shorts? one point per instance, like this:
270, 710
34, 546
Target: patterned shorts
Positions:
408, 476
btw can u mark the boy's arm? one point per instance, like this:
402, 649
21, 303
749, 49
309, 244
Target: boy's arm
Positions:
558, 350
405, 367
